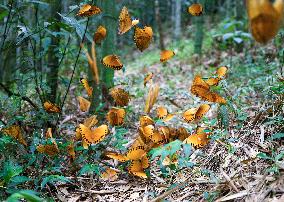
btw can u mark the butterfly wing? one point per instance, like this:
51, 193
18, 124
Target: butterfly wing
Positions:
166, 55
116, 156
112, 61
87, 87
146, 120
120, 96
135, 153
51, 107
147, 78
195, 9
202, 110
143, 37
189, 115
162, 112
125, 22
100, 34
84, 104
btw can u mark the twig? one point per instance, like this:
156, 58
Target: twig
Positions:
73, 72
229, 181
98, 192
10, 93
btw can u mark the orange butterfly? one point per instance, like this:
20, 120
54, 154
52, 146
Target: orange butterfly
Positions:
146, 120
182, 134
116, 116
166, 55
116, 156
51, 108
198, 140
71, 151
201, 89
154, 135
125, 22
162, 113
221, 73
93, 136
84, 104
100, 34
147, 78
135, 153
120, 96
265, 18
89, 122
49, 149
137, 167
196, 113
15, 132
88, 11
109, 175
112, 61
87, 87
143, 37
195, 9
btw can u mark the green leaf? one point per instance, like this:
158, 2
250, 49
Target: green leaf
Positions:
29, 195
276, 136
263, 156
52, 179
78, 27
89, 168
18, 180
279, 156
3, 14
10, 170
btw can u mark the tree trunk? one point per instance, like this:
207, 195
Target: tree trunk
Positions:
177, 19
107, 48
198, 41
53, 60
159, 25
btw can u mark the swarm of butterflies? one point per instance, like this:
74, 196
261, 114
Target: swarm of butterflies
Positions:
263, 16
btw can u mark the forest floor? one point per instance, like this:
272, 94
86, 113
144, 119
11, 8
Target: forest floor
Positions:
235, 173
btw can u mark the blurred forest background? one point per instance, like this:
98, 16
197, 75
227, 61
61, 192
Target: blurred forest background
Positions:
43, 48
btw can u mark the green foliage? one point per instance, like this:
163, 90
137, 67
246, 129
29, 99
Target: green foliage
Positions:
28, 195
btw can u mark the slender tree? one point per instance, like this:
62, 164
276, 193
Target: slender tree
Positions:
53, 60
159, 25
177, 30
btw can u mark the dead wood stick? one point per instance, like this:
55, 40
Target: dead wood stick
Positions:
229, 180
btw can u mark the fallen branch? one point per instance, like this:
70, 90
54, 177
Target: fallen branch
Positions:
10, 93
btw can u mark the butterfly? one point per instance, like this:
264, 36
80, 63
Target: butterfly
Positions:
116, 116
154, 135
265, 18
182, 134
146, 120
49, 149
120, 96
113, 62
137, 167
221, 73
89, 122
84, 104
125, 22
109, 175
166, 55
152, 97
195, 9
143, 37
51, 107
100, 34
196, 113
198, 140
87, 87
201, 89
165, 133
116, 156
135, 153
87, 10
48, 133
71, 151
147, 78
162, 113
93, 136
15, 132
